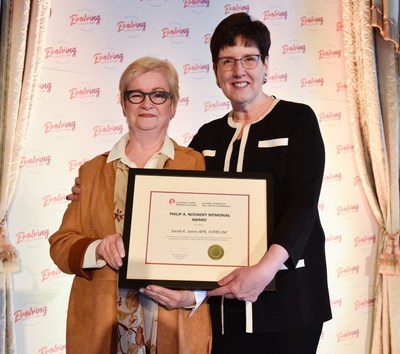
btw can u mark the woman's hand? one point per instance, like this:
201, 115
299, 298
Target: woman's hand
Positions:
170, 299
247, 283
111, 249
76, 190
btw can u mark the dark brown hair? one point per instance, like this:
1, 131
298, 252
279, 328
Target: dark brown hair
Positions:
240, 27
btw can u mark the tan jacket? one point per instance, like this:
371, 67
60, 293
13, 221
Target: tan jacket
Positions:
92, 318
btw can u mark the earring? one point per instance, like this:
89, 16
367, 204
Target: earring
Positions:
265, 78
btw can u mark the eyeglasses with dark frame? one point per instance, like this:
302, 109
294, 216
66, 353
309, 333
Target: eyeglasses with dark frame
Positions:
137, 96
248, 62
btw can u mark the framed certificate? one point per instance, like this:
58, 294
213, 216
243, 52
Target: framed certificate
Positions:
188, 229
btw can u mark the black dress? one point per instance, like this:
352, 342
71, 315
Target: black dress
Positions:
286, 141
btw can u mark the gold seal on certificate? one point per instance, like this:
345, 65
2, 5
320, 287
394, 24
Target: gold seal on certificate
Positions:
215, 252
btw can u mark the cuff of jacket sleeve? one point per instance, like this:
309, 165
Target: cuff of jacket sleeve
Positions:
76, 258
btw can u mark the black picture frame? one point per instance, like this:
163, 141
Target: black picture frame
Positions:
162, 176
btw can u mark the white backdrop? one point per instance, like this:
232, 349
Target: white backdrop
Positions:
77, 115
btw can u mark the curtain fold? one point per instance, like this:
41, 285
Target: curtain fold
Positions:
386, 338
24, 25
373, 101
385, 16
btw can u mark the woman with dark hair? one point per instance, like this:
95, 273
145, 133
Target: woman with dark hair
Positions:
263, 133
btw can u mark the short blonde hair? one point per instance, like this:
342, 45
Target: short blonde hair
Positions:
146, 64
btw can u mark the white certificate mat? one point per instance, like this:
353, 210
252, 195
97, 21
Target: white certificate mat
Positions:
188, 229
